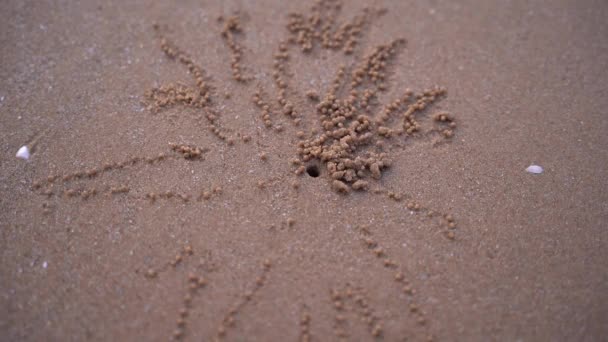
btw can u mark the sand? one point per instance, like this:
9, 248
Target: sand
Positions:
226, 235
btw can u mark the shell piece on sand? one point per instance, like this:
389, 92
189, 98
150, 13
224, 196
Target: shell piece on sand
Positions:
535, 169
23, 153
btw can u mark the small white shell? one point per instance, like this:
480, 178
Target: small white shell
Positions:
535, 169
23, 153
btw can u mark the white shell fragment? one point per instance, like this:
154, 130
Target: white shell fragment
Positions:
536, 169
23, 153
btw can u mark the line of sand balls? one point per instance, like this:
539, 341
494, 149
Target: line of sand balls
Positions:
281, 77
232, 27
195, 284
264, 106
152, 197
305, 319
399, 278
339, 318
185, 198
92, 173
229, 319
447, 221
360, 307
187, 152
338, 80
183, 253
444, 122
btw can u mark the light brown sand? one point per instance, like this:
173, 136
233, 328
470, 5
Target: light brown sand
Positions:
96, 259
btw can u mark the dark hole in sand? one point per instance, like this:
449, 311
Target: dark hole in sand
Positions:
313, 171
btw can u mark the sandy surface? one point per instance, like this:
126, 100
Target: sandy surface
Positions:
527, 83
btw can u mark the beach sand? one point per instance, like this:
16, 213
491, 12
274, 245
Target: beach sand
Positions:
110, 233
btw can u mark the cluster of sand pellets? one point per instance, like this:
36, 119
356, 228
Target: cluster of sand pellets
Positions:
352, 135
229, 319
353, 301
351, 146
321, 27
172, 94
232, 28
350, 138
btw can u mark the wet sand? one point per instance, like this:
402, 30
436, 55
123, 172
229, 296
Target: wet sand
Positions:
147, 212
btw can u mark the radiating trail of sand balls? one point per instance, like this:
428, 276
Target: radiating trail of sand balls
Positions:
180, 256
340, 319
445, 220
354, 300
364, 311
232, 28
96, 172
305, 320
264, 106
229, 319
207, 194
320, 27
187, 152
413, 107
182, 197
195, 285
338, 80
372, 68
399, 277
150, 197
199, 97
169, 195
47, 187
281, 78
